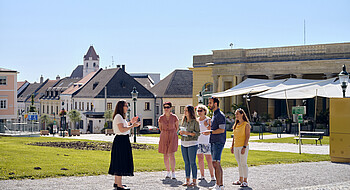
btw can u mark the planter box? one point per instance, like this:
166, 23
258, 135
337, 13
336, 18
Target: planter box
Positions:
256, 128
75, 132
109, 132
276, 129
44, 132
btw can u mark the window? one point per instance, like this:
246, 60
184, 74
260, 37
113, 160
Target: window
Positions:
79, 105
71, 106
3, 80
3, 104
182, 109
43, 109
147, 106
87, 106
157, 110
92, 106
56, 109
87, 65
173, 109
82, 106
94, 64
48, 110
51, 109
109, 106
76, 107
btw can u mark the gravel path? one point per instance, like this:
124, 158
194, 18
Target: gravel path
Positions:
313, 175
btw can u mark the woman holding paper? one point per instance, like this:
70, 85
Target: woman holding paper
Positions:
189, 144
204, 147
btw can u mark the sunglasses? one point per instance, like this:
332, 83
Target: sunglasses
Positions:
126, 106
166, 107
199, 110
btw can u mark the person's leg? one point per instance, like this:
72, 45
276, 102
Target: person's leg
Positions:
184, 151
172, 161
118, 181
210, 164
166, 162
244, 165
237, 153
192, 152
201, 163
216, 155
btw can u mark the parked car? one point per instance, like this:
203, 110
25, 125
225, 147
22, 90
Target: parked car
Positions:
149, 129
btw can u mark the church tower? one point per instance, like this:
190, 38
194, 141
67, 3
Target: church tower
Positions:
91, 61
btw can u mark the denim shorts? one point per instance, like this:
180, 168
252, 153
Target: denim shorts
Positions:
204, 149
216, 151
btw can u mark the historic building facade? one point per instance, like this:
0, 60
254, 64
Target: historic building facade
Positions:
229, 67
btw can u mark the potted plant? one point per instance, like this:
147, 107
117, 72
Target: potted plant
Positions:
276, 126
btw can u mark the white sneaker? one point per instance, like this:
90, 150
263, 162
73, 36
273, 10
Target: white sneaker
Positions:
167, 175
216, 187
173, 175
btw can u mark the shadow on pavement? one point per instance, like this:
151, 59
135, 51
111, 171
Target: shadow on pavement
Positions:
204, 183
172, 182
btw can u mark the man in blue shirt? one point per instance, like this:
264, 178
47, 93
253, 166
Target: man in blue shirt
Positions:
217, 139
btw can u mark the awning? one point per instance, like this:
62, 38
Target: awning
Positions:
304, 89
249, 85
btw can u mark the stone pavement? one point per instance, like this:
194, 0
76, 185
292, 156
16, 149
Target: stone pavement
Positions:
299, 176
279, 147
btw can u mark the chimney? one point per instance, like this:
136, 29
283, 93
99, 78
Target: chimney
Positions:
58, 77
41, 79
123, 67
118, 66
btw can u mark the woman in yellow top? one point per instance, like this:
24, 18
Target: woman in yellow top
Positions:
240, 148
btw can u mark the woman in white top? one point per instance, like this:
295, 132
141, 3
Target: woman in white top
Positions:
203, 142
121, 154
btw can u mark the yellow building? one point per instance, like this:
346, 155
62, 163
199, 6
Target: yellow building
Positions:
227, 68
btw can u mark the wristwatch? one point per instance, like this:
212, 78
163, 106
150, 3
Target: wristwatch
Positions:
244, 147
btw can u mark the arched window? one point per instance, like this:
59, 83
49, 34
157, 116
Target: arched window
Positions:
87, 64
94, 64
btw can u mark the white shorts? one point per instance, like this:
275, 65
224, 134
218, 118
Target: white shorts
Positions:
204, 149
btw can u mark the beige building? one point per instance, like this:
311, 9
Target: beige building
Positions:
175, 88
231, 66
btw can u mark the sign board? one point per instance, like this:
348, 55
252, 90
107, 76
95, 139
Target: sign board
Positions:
33, 116
300, 118
299, 110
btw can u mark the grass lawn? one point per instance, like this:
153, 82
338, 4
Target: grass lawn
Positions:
17, 160
228, 134
325, 140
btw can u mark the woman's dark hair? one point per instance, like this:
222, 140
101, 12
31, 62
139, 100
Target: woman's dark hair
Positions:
168, 103
190, 110
244, 117
119, 109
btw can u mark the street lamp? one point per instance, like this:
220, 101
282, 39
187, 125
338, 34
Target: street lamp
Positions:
344, 79
200, 98
134, 94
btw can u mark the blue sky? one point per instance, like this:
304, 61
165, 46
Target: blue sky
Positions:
50, 38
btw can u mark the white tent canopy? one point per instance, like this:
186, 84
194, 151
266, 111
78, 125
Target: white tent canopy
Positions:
303, 89
249, 85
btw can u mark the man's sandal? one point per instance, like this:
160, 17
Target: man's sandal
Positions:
244, 184
192, 184
237, 182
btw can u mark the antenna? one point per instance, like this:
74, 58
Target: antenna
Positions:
231, 44
112, 62
304, 32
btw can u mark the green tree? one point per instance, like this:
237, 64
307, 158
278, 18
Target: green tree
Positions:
44, 118
74, 116
108, 115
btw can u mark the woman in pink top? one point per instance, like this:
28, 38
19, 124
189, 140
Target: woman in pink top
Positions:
168, 141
